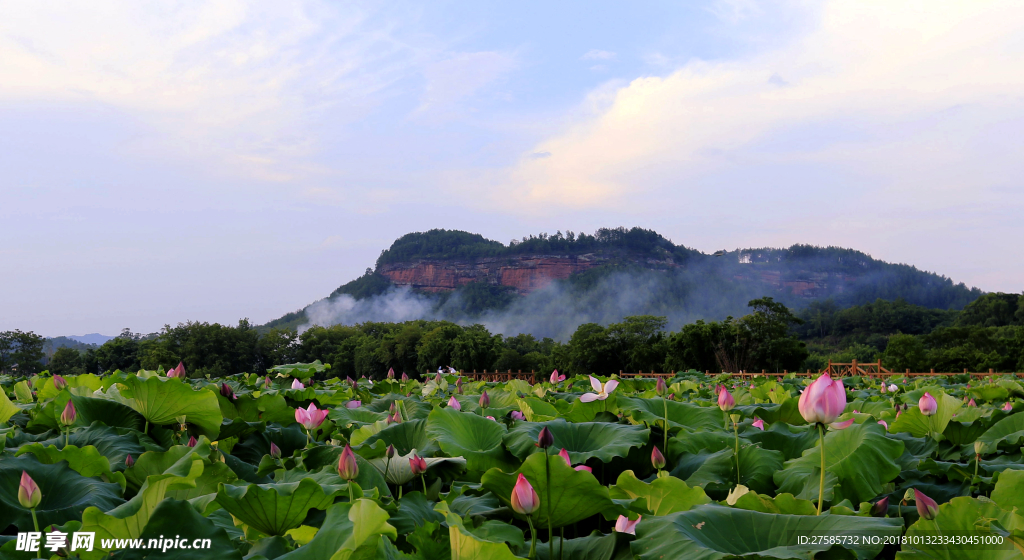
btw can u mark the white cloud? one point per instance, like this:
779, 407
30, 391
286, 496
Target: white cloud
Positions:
595, 54
451, 82
878, 80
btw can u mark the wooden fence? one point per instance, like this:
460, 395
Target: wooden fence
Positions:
837, 369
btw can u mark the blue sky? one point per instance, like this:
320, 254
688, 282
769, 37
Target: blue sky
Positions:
163, 162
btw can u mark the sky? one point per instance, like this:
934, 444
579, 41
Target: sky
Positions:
170, 161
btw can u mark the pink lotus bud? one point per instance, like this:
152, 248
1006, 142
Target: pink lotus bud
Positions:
437, 378
516, 415
391, 373
524, 498
823, 400
556, 378
296, 384
275, 451
348, 468
129, 462
544, 438
759, 424
1007, 407
405, 377
882, 389
393, 408
660, 387
490, 418
354, 404
928, 405
458, 385
29, 494
584, 468
67, 417
178, 372
725, 400
972, 403
418, 465
227, 391
192, 441
266, 382
485, 401
59, 382
624, 525
390, 452
884, 425
881, 507
565, 455
657, 459
454, 403
926, 507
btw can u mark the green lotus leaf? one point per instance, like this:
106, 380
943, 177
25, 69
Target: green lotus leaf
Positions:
88, 382
920, 425
574, 495
792, 441
273, 509
414, 510
712, 532
1009, 430
680, 414
65, 493
111, 413
964, 516
406, 436
467, 545
174, 518
159, 462
23, 393
664, 495
86, 461
467, 435
162, 401
398, 469
1009, 491
783, 503
718, 469
345, 417
583, 441
537, 410
410, 407
300, 371
7, 408
861, 458
614, 546
350, 530
324, 457
989, 392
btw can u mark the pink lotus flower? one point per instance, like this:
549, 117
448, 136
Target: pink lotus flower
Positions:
841, 425
516, 415
657, 459
29, 494
59, 382
726, 401
67, 417
759, 424
354, 404
602, 390
296, 384
490, 418
972, 403
556, 378
524, 498
884, 425
823, 401
565, 455
583, 468
1007, 407
454, 403
418, 465
348, 468
624, 525
893, 388
178, 372
926, 507
927, 404
310, 417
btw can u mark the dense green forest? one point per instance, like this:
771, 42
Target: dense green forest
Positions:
988, 333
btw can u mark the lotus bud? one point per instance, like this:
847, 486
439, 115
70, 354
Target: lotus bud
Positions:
275, 451
67, 417
437, 379
556, 378
485, 401
393, 408
927, 404
454, 403
59, 382
657, 459
926, 507
490, 418
624, 525
516, 415
524, 498
671, 396
759, 424
390, 451
884, 425
418, 465
296, 384
545, 439
192, 441
584, 468
565, 455
354, 384
458, 385
391, 373
29, 494
823, 400
893, 388
227, 391
266, 382
725, 400
881, 507
1007, 407
980, 447
660, 387
354, 404
348, 468
129, 462
972, 403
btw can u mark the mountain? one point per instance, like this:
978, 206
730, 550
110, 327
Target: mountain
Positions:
91, 338
547, 285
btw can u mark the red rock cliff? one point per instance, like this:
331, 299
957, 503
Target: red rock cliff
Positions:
525, 273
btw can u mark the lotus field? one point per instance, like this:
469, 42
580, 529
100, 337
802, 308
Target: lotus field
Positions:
298, 465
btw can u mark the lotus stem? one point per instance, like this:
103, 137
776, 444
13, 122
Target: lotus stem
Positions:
35, 523
977, 460
821, 483
664, 404
547, 503
387, 469
736, 435
423, 478
351, 495
561, 542
533, 539
146, 429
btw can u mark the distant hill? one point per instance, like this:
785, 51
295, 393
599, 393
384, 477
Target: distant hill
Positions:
543, 284
92, 338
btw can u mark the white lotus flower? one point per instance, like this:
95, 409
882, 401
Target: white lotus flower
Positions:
602, 390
